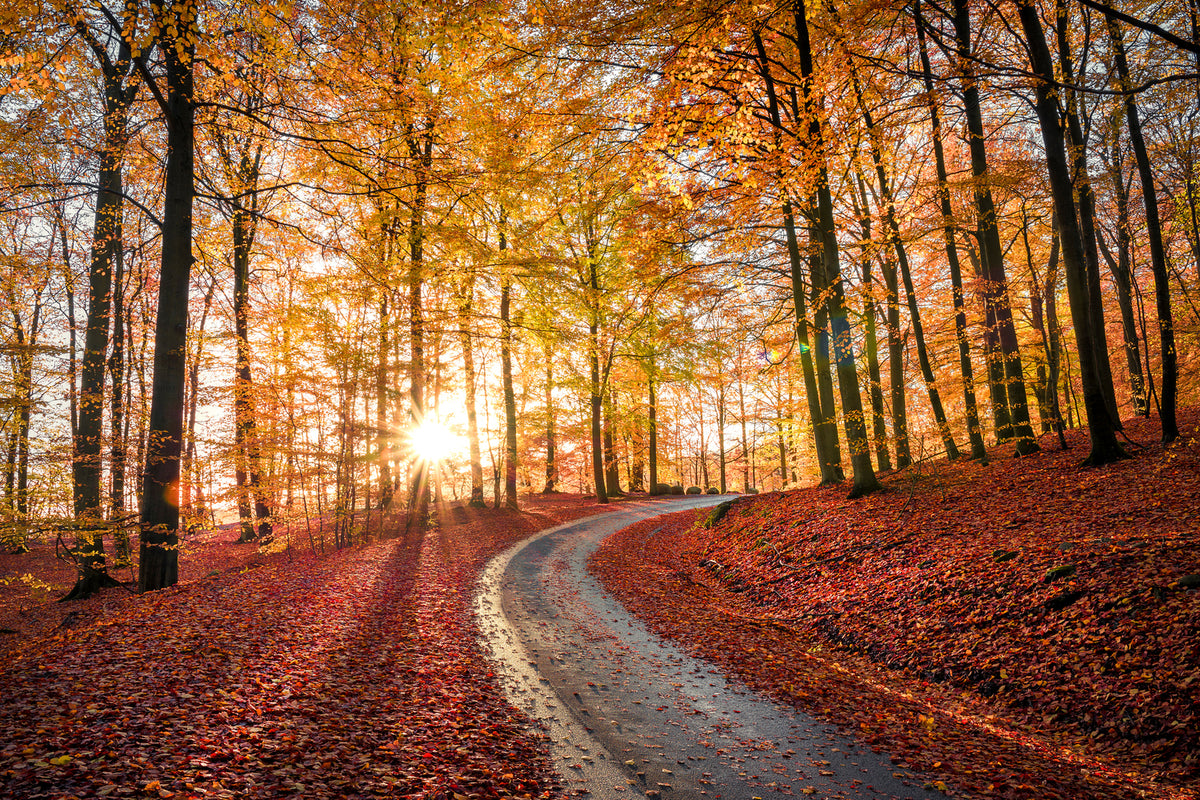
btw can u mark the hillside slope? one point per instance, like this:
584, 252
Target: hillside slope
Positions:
1022, 629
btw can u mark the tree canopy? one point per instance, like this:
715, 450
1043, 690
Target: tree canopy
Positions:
285, 262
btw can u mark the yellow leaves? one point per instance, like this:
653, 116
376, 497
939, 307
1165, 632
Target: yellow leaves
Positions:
15, 60
156, 787
61, 761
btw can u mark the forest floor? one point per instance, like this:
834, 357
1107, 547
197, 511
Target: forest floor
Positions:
1024, 629
353, 674
940, 620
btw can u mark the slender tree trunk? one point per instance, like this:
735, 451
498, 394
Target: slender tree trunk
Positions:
1105, 447
138, 369
25, 417
824, 426
1037, 321
746, 457
1121, 268
1054, 351
194, 513
593, 289
635, 449
1158, 257
551, 465
18, 545
72, 325
828, 453
878, 414
993, 356
893, 236
1012, 410
117, 423
18, 454
106, 252
864, 479
974, 433
465, 337
781, 444
1041, 388
510, 403
421, 151
652, 415
383, 435
1071, 102
245, 428
896, 366
723, 486
612, 472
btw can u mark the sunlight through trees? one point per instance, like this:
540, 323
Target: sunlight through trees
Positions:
304, 266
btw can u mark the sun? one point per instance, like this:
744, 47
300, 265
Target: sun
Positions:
432, 441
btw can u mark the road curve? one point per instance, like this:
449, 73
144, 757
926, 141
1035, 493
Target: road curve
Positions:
629, 714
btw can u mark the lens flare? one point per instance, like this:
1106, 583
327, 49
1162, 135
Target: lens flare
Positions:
432, 441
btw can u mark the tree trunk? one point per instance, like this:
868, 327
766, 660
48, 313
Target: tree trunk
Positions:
593, 291
893, 235
1105, 447
896, 366
18, 453
116, 373
974, 434
635, 449
159, 558
510, 403
871, 344
746, 458
551, 466
192, 514
106, 252
72, 324
1071, 102
1037, 321
828, 452
421, 151
721, 438
1158, 257
864, 479
612, 471
1054, 353
1121, 268
465, 304
1011, 407
825, 425
383, 435
652, 415
245, 225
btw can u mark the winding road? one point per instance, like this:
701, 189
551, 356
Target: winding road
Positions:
630, 714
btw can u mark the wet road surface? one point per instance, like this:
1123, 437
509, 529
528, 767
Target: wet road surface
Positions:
630, 714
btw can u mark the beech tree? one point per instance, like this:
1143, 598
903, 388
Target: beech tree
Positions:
172, 89
614, 249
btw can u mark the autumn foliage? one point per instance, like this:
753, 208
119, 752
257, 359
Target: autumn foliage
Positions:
1026, 629
357, 674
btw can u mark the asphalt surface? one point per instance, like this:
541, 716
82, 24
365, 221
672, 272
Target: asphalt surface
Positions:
628, 713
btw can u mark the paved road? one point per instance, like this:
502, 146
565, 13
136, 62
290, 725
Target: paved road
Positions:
630, 714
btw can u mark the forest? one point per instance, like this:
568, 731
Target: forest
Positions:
304, 264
